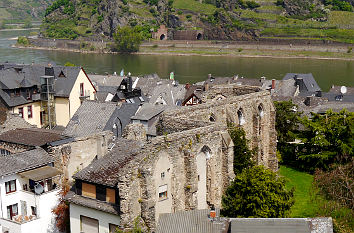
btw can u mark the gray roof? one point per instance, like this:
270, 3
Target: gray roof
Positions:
310, 84
282, 87
194, 221
168, 94
106, 80
124, 113
90, 118
92, 203
281, 225
148, 111
105, 170
17, 76
27, 160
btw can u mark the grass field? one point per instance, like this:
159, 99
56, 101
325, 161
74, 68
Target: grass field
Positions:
193, 5
302, 182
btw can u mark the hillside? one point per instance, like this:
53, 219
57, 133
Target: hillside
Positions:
17, 11
220, 20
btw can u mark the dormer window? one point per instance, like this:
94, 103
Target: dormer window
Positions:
61, 75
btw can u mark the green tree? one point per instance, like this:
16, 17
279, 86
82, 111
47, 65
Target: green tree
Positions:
242, 154
27, 23
286, 124
127, 39
326, 139
258, 193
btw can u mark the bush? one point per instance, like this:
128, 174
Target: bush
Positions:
127, 40
257, 193
22, 40
252, 4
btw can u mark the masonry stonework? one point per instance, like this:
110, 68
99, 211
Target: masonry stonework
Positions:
190, 164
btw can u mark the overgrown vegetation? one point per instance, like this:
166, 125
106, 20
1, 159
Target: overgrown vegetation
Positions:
258, 193
61, 211
324, 147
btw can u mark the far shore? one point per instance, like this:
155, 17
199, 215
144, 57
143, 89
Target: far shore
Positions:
18, 29
327, 52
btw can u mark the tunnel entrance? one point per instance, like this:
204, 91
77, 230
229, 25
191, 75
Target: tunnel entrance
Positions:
199, 36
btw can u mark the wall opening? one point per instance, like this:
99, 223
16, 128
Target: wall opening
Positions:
162, 37
199, 36
241, 118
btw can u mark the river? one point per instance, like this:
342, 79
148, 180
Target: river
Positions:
187, 68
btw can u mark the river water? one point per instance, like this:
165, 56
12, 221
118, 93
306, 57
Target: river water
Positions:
187, 68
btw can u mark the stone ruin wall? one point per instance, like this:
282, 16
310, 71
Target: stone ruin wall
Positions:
260, 131
78, 154
137, 184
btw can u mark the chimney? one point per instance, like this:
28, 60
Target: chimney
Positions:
49, 71
318, 93
308, 101
130, 84
209, 76
262, 79
273, 84
212, 213
187, 86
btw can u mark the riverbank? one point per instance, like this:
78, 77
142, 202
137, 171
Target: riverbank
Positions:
273, 48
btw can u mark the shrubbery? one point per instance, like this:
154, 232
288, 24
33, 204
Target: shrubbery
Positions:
22, 40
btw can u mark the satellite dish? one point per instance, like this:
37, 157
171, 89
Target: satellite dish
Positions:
38, 189
343, 89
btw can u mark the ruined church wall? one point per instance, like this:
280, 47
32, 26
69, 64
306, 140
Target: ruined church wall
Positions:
180, 151
260, 130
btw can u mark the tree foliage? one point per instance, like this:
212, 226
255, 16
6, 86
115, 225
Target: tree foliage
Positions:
127, 39
242, 154
337, 184
258, 193
61, 211
326, 139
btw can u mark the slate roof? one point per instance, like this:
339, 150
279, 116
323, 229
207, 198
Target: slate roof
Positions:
93, 117
194, 221
17, 76
31, 136
310, 84
281, 225
90, 118
124, 113
27, 160
13, 121
92, 203
169, 93
282, 87
105, 170
148, 111
336, 89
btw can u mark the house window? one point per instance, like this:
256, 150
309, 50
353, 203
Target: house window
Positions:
20, 112
29, 112
34, 210
28, 95
163, 192
4, 152
10, 186
162, 175
82, 90
12, 211
113, 228
17, 92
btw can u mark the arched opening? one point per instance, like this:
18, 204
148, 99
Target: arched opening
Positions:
202, 170
162, 37
212, 118
199, 36
241, 118
206, 150
260, 110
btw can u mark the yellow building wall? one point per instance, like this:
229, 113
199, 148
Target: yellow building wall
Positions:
74, 97
36, 113
62, 114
